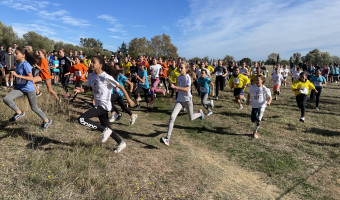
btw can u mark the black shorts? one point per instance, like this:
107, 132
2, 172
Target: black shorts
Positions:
134, 80
8, 71
56, 73
238, 91
79, 83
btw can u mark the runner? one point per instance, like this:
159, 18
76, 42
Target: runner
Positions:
205, 84
238, 82
319, 82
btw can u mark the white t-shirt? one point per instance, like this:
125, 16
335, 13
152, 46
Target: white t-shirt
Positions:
184, 81
286, 72
243, 71
296, 75
156, 69
102, 86
277, 78
258, 96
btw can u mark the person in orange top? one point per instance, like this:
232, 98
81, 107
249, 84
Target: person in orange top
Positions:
44, 75
143, 61
163, 76
79, 70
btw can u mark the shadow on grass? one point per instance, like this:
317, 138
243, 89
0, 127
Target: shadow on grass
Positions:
217, 130
323, 143
127, 135
323, 132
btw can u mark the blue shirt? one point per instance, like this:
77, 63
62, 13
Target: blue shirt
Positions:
318, 81
204, 85
55, 63
23, 69
142, 74
121, 79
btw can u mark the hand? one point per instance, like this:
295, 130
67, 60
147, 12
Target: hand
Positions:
234, 86
14, 73
316, 91
268, 104
172, 85
131, 103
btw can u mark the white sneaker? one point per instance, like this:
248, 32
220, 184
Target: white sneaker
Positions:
113, 117
106, 134
302, 119
317, 108
209, 113
120, 147
212, 103
240, 107
133, 119
139, 99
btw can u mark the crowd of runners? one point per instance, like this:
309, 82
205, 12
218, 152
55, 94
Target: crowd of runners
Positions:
123, 80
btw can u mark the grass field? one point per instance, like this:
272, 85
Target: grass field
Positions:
211, 159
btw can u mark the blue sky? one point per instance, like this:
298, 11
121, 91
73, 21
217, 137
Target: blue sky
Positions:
214, 28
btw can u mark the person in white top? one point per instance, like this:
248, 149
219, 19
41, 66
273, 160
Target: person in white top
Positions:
253, 69
155, 69
184, 99
276, 79
102, 84
285, 72
244, 70
258, 93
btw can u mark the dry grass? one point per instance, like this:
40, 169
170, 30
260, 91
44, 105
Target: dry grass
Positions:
210, 159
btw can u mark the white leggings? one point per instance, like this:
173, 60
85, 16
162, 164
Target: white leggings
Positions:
177, 108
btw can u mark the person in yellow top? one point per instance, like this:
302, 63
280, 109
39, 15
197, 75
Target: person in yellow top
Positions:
126, 67
173, 74
238, 82
258, 73
209, 67
301, 89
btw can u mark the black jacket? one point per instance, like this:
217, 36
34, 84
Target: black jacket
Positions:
8, 61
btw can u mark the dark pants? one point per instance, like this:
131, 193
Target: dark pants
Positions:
65, 81
146, 93
164, 81
301, 102
103, 116
116, 98
219, 82
312, 95
197, 86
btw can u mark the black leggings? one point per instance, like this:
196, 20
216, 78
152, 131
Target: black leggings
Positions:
197, 86
146, 93
164, 81
103, 116
219, 82
116, 98
301, 102
65, 81
312, 95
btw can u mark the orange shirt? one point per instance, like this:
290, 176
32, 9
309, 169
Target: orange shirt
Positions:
43, 73
79, 71
164, 70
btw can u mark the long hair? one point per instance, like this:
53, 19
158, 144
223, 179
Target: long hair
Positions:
29, 56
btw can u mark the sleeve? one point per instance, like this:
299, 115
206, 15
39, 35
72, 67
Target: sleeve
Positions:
89, 80
311, 86
71, 69
246, 80
268, 92
231, 81
294, 85
85, 68
187, 81
324, 80
111, 81
208, 80
124, 78
27, 68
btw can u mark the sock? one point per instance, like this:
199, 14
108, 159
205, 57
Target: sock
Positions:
7, 84
11, 84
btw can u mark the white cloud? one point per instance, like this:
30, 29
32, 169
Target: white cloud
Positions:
26, 5
74, 21
256, 28
108, 18
116, 27
115, 36
44, 30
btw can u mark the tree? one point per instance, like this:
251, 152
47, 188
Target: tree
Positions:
284, 62
38, 42
325, 58
272, 58
140, 46
296, 58
313, 57
7, 35
162, 47
91, 43
228, 58
123, 48
335, 59
246, 60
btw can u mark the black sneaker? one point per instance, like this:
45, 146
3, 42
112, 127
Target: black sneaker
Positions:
17, 116
136, 107
119, 117
39, 94
45, 125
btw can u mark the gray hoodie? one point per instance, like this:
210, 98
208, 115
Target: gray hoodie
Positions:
8, 61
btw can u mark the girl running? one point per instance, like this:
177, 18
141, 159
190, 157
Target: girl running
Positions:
173, 77
117, 97
238, 82
142, 78
102, 84
163, 75
276, 79
205, 83
221, 73
44, 75
155, 70
258, 93
301, 88
184, 99
319, 82
24, 79
64, 65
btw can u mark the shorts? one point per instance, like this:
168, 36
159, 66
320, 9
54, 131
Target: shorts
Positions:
285, 77
134, 80
276, 87
238, 91
79, 83
56, 73
8, 71
257, 114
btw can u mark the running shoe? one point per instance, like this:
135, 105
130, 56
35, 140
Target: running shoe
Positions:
302, 119
209, 113
120, 147
139, 99
275, 98
202, 114
317, 108
244, 99
106, 134
119, 117
16, 116
136, 107
212, 103
165, 141
133, 119
39, 94
216, 98
45, 125
113, 117
240, 107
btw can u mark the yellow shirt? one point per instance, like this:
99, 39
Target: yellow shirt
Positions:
211, 69
252, 78
126, 67
240, 81
302, 87
173, 75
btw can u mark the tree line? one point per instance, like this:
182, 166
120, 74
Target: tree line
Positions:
158, 46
